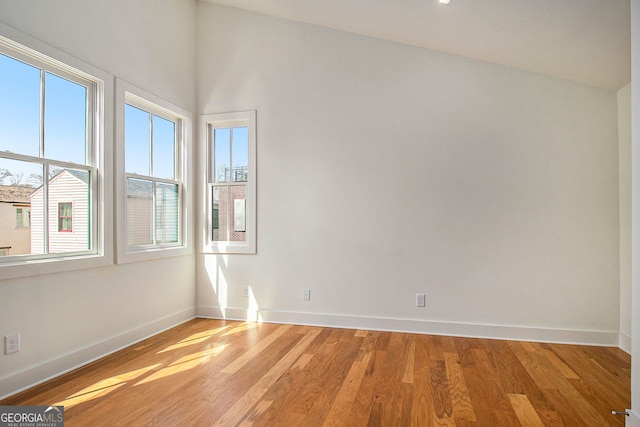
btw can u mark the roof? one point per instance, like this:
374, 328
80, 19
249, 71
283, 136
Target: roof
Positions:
15, 193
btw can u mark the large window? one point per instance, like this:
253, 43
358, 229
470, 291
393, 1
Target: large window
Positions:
153, 209
49, 153
231, 175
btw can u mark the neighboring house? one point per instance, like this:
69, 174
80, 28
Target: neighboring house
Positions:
236, 230
15, 231
141, 213
68, 214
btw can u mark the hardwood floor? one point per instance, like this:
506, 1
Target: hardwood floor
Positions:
214, 372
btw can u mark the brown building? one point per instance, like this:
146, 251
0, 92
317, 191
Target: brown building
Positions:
15, 220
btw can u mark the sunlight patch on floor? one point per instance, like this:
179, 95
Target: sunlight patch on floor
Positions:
185, 363
194, 339
103, 387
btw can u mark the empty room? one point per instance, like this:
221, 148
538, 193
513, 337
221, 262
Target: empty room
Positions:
305, 212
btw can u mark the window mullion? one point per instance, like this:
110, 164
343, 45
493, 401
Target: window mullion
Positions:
42, 111
45, 168
229, 180
154, 201
45, 207
150, 144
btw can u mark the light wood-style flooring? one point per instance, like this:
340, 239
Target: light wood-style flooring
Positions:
215, 372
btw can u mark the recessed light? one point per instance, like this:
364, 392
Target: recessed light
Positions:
444, 1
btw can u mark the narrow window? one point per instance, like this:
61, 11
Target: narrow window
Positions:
231, 149
19, 218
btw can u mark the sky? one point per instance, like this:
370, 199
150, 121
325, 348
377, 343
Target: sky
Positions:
149, 139
64, 116
65, 125
231, 146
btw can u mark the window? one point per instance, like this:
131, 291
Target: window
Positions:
231, 175
23, 217
153, 150
51, 134
65, 217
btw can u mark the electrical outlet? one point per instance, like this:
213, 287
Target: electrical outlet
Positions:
245, 291
12, 343
420, 300
306, 295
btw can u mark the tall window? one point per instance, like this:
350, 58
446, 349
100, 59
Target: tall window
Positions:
49, 148
231, 151
153, 140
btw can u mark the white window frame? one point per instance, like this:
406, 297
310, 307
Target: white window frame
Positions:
127, 93
23, 47
208, 122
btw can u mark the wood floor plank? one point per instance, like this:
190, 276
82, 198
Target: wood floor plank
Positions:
516, 380
348, 393
390, 401
242, 406
217, 372
550, 378
423, 411
458, 390
255, 350
525, 411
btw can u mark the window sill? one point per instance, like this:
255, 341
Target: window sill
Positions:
148, 254
22, 268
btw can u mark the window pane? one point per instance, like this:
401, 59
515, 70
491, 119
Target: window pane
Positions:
228, 208
221, 154
69, 210
238, 194
164, 148
240, 154
137, 141
219, 198
166, 213
20, 182
139, 212
19, 107
65, 120
17, 173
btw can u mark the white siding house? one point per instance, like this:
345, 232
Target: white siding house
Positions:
68, 226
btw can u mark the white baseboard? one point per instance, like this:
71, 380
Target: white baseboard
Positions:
16, 382
624, 342
517, 333
633, 420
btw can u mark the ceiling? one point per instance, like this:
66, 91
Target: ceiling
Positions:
586, 41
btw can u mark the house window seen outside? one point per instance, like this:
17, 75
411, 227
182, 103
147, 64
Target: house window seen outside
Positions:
65, 217
23, 217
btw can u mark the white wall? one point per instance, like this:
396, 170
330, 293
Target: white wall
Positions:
66, 319
624, 188
386, 170
634, 419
